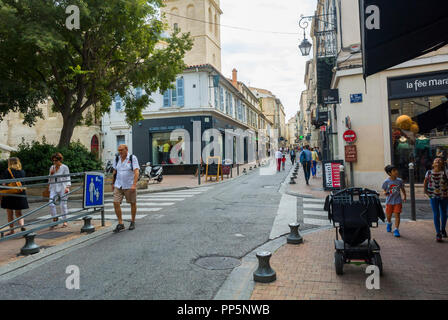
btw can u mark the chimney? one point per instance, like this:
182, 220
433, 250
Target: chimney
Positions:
234, 78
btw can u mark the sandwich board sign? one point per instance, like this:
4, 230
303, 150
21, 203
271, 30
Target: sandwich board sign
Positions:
93, 195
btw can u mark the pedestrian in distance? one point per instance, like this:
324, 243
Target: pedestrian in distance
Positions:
292, 155
436, 188
283, 161
393, 186
314, 160
305, 159
278, 158
17, 202
58, 187
126, 173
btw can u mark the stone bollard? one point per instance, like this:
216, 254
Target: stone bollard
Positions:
30, 246
87, 227
264, 273
294, 237
292, 181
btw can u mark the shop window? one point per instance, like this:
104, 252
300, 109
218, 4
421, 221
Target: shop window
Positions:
419, 133
162, 147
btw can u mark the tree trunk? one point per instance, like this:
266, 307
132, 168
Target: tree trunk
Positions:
69, 124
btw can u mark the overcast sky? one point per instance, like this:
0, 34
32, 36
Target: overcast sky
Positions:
266, 60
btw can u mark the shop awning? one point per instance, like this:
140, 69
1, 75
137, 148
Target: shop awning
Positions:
393, 32
434, 118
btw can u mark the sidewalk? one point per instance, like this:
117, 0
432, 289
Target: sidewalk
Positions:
414, 268
316, 190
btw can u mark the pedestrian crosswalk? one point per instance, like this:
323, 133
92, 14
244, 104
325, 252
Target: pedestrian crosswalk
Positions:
314, 213
146, 204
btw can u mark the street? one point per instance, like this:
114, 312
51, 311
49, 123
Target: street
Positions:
157, 259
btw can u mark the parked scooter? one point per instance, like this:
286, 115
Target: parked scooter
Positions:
153, 173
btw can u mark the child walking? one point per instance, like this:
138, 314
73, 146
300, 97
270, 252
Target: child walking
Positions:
393, 186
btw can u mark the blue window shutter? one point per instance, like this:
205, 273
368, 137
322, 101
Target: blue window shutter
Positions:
216, 98
167, 98
118, 103
180, 92
221, 98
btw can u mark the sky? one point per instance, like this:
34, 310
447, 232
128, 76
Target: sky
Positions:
266, 60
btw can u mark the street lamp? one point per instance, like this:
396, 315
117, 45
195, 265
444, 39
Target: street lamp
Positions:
305, 46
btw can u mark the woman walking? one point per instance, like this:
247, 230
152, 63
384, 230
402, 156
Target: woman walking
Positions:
59, 186
18, 202
315, 158
436, 188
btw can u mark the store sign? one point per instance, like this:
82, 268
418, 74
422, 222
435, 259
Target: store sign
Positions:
349, 136
418, 85
393, 32
331, 174
356, 98
330, 96
351, 154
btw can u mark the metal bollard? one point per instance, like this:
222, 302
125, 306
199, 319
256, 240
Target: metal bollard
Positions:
292, 181
238, 169
244, 171
264, 273
294, 237
412, 191
30, 246
87, 227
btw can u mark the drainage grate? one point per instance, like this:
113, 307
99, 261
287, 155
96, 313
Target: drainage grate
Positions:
218, 263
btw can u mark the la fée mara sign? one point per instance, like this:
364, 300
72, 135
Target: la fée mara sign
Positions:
419, 85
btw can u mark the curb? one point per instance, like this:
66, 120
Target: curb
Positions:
239, 285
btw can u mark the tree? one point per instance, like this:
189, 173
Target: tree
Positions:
116, 49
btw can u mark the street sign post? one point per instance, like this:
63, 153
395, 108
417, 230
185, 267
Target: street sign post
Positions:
93, 195
349, 136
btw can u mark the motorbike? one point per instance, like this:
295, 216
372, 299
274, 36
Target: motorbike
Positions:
109, 167
153, 173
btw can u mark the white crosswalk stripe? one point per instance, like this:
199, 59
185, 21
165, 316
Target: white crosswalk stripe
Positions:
314, 213
146, 203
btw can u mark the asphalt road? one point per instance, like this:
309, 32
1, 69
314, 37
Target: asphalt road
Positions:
157, 259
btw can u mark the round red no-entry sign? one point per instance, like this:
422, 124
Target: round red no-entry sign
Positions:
349, 136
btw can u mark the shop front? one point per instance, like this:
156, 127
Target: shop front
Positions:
152, 141
418, 110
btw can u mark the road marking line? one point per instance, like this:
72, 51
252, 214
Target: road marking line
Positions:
129, 209
317, 222
315, 213
313, 206
313, 200
142, 204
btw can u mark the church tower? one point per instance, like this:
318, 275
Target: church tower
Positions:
201, 18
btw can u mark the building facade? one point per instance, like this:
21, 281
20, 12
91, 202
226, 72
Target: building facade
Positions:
13, 132
399, 115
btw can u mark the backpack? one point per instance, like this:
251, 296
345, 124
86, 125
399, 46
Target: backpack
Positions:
130, 158
302, 156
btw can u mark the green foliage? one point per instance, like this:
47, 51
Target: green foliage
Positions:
35, 157
119, 46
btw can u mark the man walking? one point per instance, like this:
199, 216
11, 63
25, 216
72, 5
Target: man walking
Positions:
278, 158
292, 154
126, 172
305, 159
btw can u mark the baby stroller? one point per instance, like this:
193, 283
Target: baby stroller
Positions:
354, 211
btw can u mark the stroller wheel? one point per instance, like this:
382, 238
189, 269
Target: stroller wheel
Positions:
376, 260
339, 262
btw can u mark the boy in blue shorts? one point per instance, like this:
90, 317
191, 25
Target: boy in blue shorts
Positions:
393, 186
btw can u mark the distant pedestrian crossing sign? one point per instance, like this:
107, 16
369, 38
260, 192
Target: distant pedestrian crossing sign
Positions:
93, 195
